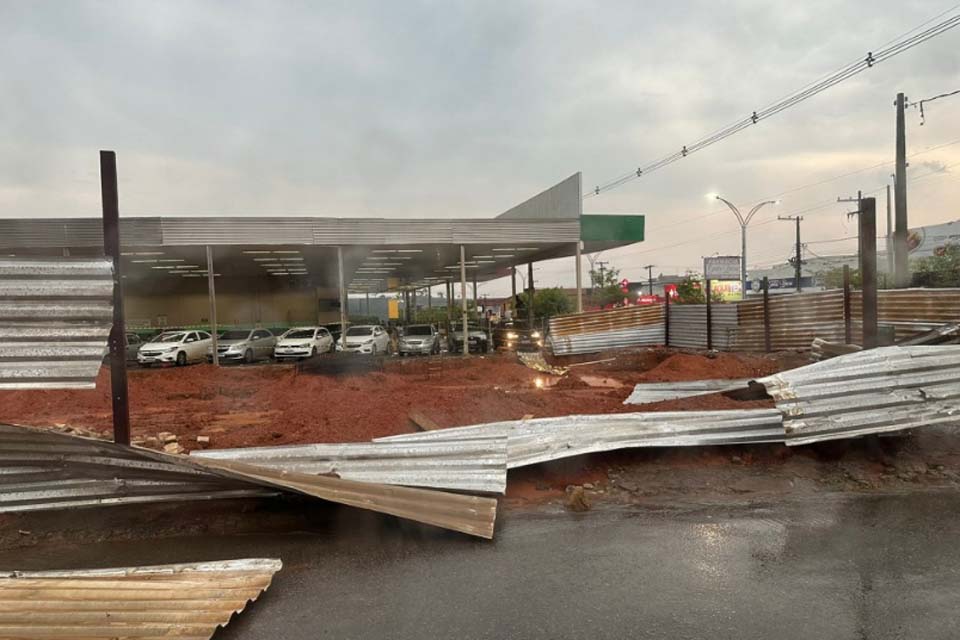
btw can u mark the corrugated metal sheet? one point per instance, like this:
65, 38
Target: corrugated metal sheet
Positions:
658, 391
42, 469
606, 321
55, 233
912, 311
688, 325
163, 601
875, 391
469, 465
562, 200
650, 335
795, 320
55, 318
543, 439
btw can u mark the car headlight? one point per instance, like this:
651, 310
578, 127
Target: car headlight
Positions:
169, 349
370, 341
303, 346
512, 336
535, 334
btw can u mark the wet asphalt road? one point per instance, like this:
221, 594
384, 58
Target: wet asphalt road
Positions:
851, 567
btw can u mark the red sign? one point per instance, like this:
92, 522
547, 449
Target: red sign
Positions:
671, 290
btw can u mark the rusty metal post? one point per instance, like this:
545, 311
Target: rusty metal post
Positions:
666, 319
111, 248
847, 318
868, 271
709, 319
765, 283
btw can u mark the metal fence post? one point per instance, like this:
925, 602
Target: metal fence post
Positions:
868, 271
709, 319
766, 314
118, 335
847, 319
666, 320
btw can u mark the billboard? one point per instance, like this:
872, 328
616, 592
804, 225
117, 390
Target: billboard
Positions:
924, 242
721, 268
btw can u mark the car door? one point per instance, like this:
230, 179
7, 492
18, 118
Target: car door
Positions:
204, 340
190, 346
324, 340
264, 342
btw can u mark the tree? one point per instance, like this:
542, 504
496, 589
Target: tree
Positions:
547, 303
690, 291
940, 270
833, 278
605, 286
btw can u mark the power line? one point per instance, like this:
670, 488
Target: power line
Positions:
900, 45
920, 103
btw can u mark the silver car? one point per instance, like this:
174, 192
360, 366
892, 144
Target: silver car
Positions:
419, 338
244, 345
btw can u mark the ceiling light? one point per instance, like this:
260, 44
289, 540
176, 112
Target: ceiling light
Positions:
510, 255
292, 259
143, 261
255, 252
481, 256
287, 251
384, 251
162, 267
273, 264
409, 250
504, 249
278, 273
171, 260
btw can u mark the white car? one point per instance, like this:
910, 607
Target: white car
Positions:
303, 342
244, 345
175, 347
366, 338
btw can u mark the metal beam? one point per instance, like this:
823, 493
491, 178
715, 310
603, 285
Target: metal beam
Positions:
111, 248
463, 298
212, 295
343, 299
577, 258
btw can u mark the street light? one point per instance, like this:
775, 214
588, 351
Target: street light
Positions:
744, 221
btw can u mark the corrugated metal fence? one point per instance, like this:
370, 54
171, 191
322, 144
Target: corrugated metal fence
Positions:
55, 318
794, 321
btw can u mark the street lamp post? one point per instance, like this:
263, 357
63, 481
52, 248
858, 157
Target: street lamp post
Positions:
744, 221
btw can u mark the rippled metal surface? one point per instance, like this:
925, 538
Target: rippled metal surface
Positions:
55, 318
176, 600
875, 391
645, 392
468, 465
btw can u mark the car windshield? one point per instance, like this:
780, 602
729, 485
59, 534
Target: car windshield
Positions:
359, 331
418, 330
170, 337
234, 334
299, 334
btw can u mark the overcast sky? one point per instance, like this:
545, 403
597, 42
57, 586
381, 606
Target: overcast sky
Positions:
463, 109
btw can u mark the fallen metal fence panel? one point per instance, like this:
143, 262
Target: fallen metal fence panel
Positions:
574, 344
471, 465
544, 439
688, 326
646, 392
41, 469
55, 318
181, 600
867, 392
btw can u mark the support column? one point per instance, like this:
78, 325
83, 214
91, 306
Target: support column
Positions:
463, 298
430, 296
212, 296
513, 293
577, 258
765, 283
530, 293
847, 318
868, 271
475, 299
343, 299
709, 318
368, 303
118, 342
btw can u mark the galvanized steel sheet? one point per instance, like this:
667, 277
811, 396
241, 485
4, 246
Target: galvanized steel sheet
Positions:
565, 345
658, 391
874, 391
469, 465
162, 601
55, 318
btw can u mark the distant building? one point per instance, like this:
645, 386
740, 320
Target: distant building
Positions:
782, 277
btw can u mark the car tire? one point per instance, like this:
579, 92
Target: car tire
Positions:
181, 358
373, 350
313, 352
248, 356
146, 365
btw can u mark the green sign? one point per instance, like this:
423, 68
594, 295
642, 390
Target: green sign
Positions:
613, 228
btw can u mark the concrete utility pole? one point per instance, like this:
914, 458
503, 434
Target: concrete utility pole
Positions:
744, 221
649, 268
798, 262
901, 264
850, 214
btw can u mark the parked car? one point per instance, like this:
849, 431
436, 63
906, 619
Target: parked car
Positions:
303, 342
476, 338
246, 345
366, 338
174, 347
419, 338
516, 336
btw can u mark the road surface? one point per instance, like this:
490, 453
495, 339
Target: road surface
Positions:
850, 567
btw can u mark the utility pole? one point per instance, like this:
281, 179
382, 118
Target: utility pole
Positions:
867, 227
649, 269
889, 242
797, 259
901, 265
850, 214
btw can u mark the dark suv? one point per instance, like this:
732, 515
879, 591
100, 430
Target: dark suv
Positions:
516, 336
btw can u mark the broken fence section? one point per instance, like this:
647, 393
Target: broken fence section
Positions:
544, 439
468, 465
598, 330
42, 470
646, 392
867, 392
55, 318
175, 600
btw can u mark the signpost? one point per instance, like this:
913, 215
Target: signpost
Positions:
721, 268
